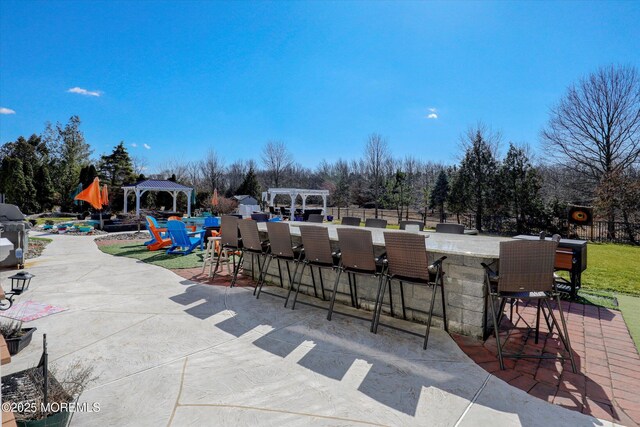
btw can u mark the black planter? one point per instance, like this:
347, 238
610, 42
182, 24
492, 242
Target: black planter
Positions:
59, 419
16, 345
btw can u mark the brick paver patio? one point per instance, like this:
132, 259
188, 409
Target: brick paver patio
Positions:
608, 383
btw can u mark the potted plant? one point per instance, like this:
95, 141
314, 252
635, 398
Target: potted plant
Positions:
40, 397
16, 337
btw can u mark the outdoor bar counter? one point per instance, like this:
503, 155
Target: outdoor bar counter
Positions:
464, 277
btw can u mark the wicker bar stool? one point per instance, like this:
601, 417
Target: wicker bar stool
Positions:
230, 242
357, 257
375, 223
408, 261
449, 228
351, 220
526, 274
251, 244
282, 248
317, 252
403, 224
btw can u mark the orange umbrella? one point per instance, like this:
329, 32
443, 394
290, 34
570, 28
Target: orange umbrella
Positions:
105, 195
91, 194
214, 199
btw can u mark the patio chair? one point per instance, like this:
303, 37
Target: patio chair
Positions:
375, 223
317, 218
252, 245
449, 228
357, 257
183, 242
282, 248
260, 217
403, 225
284, 212
526, 274
408, 261
317, 253
351, 220
159, 236
230, 241
179, 218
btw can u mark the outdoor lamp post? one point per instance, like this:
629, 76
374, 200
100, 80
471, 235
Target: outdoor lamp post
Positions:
20, 282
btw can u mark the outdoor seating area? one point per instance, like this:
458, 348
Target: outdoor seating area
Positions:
365, 280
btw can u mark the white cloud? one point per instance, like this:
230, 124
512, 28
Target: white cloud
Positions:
432, 110
432, 116
147, 146
85, 92
6, 111
134, 144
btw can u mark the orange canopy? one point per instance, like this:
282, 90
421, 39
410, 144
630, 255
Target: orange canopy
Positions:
91, 194
105, 195
214, 199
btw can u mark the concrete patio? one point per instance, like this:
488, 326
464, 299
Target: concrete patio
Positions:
168, 351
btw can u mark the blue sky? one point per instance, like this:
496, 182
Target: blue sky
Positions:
184, 76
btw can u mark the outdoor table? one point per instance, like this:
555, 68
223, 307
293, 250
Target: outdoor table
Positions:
464, 275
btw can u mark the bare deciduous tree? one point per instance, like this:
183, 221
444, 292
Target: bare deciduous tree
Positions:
212, 169
140, 164
277, 159
595, 128
376, 160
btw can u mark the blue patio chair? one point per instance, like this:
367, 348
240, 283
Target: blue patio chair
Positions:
212, 221
183, 242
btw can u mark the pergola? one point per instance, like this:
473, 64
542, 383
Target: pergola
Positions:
270, 194
171, 187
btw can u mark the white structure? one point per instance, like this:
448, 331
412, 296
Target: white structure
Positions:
171, 187
293, 193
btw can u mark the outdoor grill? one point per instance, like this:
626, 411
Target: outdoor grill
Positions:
16, 230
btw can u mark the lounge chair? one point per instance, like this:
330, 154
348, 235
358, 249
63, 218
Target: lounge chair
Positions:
178, 218
159, 237
183, 242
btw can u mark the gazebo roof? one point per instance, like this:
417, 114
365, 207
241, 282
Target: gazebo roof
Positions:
158, 184
301, 191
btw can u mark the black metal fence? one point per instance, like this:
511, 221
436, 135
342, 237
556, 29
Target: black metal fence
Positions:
598, 232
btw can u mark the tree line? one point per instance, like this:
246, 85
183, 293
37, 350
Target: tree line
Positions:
591, 152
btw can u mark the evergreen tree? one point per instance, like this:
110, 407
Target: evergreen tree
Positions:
116, 168
457, 200
12, 182
250, 185
439, 194
478, 172
71, 153
32, 154
44, 187
87, 174
520, 185
29, 202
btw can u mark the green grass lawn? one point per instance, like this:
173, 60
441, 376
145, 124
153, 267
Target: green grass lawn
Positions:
42, 221
614, 268
40, 239
630, 307
138, 251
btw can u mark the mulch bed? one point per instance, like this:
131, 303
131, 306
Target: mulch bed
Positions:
35, 248
135, 236
607, 384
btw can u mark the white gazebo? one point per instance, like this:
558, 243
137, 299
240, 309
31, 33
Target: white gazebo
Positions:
171, 187
269, 195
